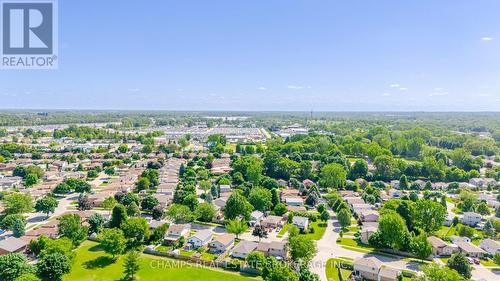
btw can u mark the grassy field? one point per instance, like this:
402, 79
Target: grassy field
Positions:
333, 272
91, 264
319, 230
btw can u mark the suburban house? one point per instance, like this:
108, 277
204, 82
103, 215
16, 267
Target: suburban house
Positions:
470, 250
366, 268
243, 249
394, 193
294, 201
176, 231
471, 218
10, 182
483, 182
491, 246
221, 243
366, 232
272, 222
301, 222
255, 218
225, 188
440, 248
220, 202
12, 245
201, 238
368, 216
273, 249
371, 268
455, 239
388, 274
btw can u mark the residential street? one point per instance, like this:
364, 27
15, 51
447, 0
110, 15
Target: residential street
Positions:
328, 248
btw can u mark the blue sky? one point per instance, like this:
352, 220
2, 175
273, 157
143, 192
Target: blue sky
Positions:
351, 55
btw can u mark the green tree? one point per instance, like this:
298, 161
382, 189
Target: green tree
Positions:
112, 241
236, 227
460, 263
324, 216
12, 266
393, 229
420, 246
143, 184
429, 215
109, 203
149, 202
96, 223
179, 213
158, 234
8, 221
281, 272
46, 205
256, 260
53, 266
18, 203
119, 215
133, 210
30, 179
136, 231
261, 199
482, 208
18, 229
435, 272
131, 265
344, 217
403, 182
70, 226
191, 200
205, 212
302, 248
358, 170
280, 209
237, 205
28, 277
333, 175
496, 258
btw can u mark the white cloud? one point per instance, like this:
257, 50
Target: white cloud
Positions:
438, 89
386, 94
262, 88
403, 89
134, 90
487, 39
394, 85
438, 94
294, 87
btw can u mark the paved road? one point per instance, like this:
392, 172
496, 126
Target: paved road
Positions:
480, 272
328, 248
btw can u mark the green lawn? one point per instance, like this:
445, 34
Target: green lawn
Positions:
319, 230
283, 230
487, 262
333, 272
91, 264
353, 243
446, 231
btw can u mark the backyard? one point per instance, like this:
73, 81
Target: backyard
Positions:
92, 264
